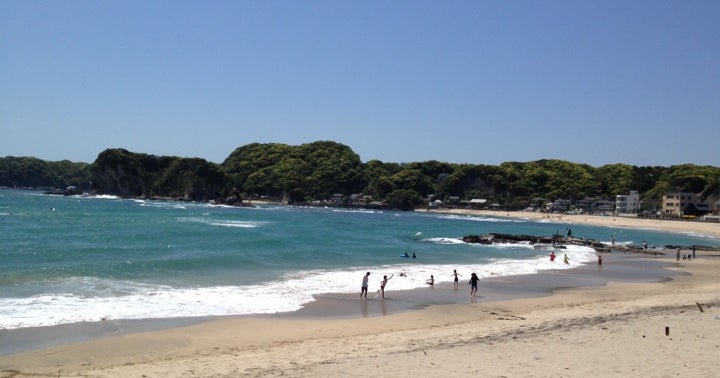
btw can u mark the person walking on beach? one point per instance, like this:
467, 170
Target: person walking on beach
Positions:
552, 256
599, 260
473, 284
363, 289
566, 260
456, 274
383, 283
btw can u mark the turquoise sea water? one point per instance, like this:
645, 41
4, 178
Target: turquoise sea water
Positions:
72, 259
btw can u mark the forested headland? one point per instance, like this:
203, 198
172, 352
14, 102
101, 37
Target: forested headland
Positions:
330, 172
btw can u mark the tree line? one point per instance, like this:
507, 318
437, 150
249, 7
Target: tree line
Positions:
322, 170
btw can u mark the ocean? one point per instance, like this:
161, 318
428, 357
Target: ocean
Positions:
85, 259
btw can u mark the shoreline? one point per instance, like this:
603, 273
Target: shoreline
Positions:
220, 338
616, 329
627, 267
518, 327
666, 225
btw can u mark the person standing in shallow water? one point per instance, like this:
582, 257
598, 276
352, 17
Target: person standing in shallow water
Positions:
456, 274
383, 283
363, 289
473, 284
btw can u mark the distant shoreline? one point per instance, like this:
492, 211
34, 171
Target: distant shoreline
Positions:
667, 225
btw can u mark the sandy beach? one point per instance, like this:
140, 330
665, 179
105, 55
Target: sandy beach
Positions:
679, 226
618, 329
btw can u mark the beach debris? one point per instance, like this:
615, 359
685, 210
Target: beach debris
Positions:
667, 331
699, 307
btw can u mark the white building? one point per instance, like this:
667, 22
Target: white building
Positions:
628, 203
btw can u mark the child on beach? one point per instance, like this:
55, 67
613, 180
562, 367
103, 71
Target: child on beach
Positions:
473, 284
566, 260
456, 274
431, 281
383, 283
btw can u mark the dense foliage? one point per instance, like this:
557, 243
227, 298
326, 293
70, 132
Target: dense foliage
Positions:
35, 173
329, 171
310, 171
124, 173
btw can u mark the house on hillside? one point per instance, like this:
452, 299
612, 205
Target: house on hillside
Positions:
338, 199
714, 207
453, 200
478, 203
560, 205
357, 199
674, 204
713, 202
584, 204
604, 206
628, 203
696, 209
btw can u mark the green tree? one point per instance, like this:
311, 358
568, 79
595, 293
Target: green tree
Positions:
404, 199
616, 179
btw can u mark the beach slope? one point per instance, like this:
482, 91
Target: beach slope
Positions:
662, 329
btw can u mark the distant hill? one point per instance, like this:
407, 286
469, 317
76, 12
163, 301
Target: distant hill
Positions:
330, 172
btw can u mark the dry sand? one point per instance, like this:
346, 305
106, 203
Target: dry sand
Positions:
679, 226
616, 330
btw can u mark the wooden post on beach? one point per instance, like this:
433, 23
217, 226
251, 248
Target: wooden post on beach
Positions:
667, 331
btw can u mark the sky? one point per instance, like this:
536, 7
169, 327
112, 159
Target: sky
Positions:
478, 82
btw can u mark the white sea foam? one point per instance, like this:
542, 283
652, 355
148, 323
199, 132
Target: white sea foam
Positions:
482, 218
162, 204
151, 302
704, 236
445, 240
225, 222
99, 196
94, 299
361, 211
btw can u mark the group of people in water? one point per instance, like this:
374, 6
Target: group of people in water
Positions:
566, 260
431, 282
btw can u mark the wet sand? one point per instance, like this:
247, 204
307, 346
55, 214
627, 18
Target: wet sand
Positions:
638, 315
104, 345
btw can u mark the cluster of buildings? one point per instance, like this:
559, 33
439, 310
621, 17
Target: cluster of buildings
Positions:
689, 205
673, 205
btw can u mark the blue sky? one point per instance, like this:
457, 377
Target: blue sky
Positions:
480, 82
